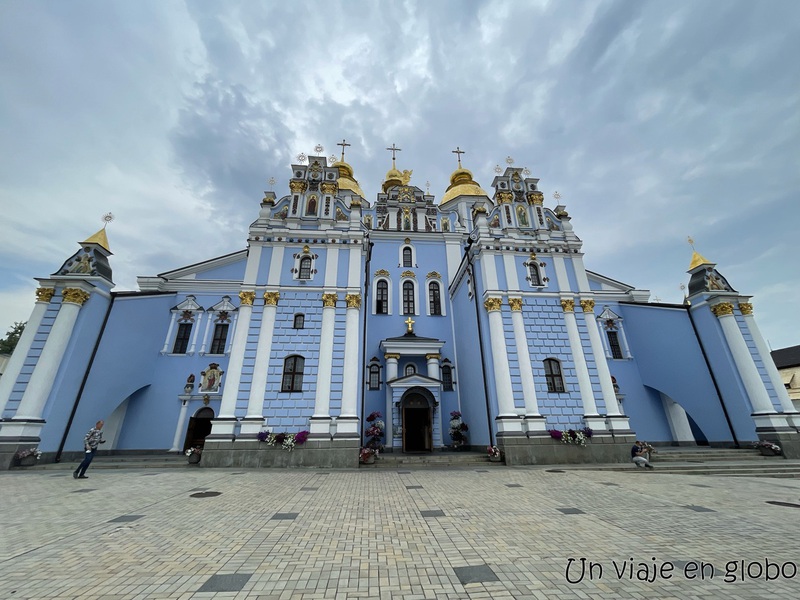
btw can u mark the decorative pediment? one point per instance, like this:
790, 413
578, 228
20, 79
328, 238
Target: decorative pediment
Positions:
414, 380
188, 305
224, 305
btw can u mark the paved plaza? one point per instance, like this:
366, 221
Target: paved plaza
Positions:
499, 532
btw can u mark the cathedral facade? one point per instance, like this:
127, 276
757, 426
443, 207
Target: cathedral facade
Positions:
340, 307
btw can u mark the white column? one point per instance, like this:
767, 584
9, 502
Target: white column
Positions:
433, 366
14, 366
195, 333
764, 414
204, 344
224, 426
508, 421
176, 441
787, 407
391, 373
254, 420
534, 421
171, 328
27, 421
347, 423
617, 421
593, 420
321, 419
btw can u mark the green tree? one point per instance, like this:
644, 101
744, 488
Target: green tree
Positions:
8, 343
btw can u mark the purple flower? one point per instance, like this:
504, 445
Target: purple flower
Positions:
587, 431
556, 434
455, 415
262, 436
301, 437
374, 415
279, 438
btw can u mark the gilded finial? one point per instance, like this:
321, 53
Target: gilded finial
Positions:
301, 158
319, 149
509, 161
556, 196
394, 150
410, 323
271, 182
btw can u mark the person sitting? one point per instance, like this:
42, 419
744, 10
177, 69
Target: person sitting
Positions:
638, 453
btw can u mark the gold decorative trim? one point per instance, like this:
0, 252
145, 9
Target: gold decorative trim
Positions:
408, 274
328, 188
479, 210
353, 300
722, 309
568, 305
268, 200
533, 256
329, 300
587, 306
354, 202
247, 298
306, 249
407, 241
298, 187
493, 304
271, 298
515, 303
504, 197
434, 275
432, 356
536, 198
75, 296
44, 294
382, 273
746, 308
391, 355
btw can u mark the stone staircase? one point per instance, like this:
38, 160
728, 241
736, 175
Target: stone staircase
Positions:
398, 460
721, 462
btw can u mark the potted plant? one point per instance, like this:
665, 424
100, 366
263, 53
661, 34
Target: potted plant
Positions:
768, 448
458, 430
283, 440
579, 437
367, 455
374, 432
194, 454
495, 454
28, 457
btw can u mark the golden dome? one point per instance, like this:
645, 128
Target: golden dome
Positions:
393, 178
346, 179
461, 184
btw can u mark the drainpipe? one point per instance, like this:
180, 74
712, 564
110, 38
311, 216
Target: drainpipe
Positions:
83, 381
365, 304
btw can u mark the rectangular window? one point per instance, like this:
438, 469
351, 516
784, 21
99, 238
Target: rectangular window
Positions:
182, 339
447, 379
374, 377
408, 298
613, 343
220, 337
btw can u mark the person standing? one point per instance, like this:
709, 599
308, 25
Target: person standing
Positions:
90, 442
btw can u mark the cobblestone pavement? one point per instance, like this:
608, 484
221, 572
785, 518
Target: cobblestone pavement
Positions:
445, 533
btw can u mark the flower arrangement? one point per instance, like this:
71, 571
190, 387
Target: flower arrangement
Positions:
572, 436
494, 452
366, 454
458, 429
374, 431
769, 446
35, 452
284, 440
193, 450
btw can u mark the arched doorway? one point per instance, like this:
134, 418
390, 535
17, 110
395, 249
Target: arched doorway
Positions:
199, 428
417, 415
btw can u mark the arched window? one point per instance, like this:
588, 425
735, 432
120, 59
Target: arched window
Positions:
382, 298
293, 374
447, 378
305, 268
219, 339
299, 321
374, 377
411, 369
533, 274
407, 257
408, 298
552, 374
434, 298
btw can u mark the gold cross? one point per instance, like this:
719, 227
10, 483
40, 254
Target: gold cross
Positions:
410, 324
394, 151
344, 145
458, 152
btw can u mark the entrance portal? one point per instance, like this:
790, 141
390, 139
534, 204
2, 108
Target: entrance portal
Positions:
199, 428
417, 421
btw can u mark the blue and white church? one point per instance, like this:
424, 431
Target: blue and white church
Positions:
339, 305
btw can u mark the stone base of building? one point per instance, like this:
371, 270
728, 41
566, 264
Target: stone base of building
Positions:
251, 454
789, 441
543, 450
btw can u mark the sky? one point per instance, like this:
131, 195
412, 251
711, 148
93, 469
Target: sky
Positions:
655, 121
